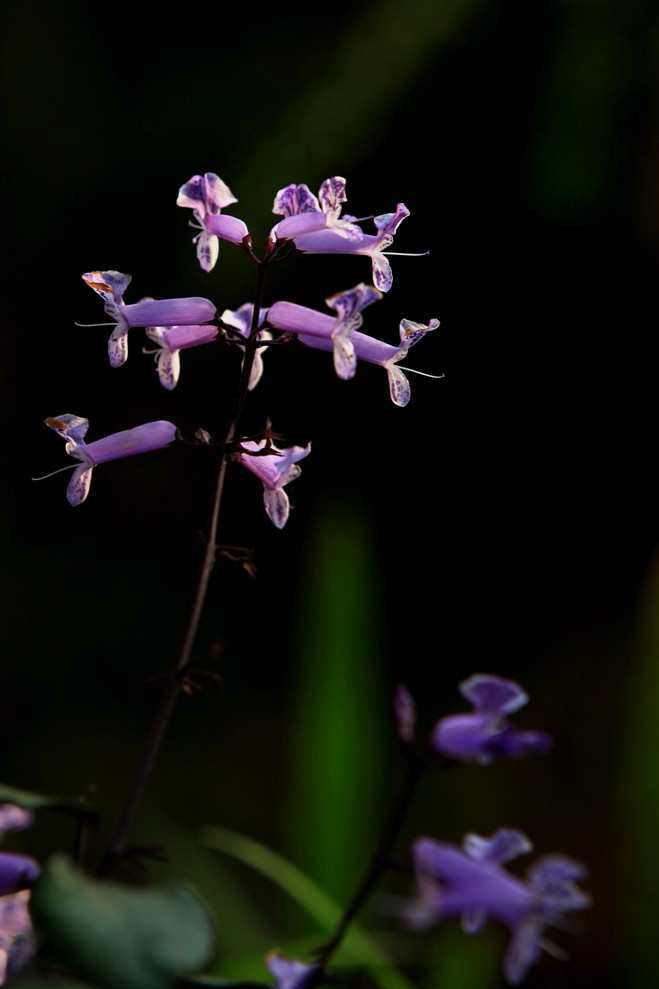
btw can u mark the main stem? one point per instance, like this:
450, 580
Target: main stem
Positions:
173, 683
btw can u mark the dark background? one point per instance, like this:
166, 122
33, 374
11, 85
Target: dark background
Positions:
506, 521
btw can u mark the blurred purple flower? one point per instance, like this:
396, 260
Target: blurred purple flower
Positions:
291, 973
172, 340
111, 285
486, 734
16, 871
13, 818
470, 883
207, 195
274, 471
17, 944
404, 714
127, 443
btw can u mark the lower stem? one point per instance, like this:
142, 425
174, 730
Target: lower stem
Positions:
380, 861
173, 683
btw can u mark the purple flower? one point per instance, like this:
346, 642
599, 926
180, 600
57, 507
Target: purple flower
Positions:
321, 332
172, 340
337, 332
377, 352
486, 734
13, 818
241, 320
207, 195
17, 871
470, 883
291, 973
404, 714
304, 213
127, 443
316, 227
111, 285
274, 471
17, 945
370, 245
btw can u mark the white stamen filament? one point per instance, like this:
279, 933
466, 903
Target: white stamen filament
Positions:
403, 254
52, 473
424, 374
94, 324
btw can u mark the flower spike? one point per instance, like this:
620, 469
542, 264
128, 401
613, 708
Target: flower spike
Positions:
127, 443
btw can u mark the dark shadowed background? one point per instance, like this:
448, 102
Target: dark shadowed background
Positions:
506, 521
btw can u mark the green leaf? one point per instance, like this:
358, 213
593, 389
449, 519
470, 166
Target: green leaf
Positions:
358, 945
40, 801
120, 937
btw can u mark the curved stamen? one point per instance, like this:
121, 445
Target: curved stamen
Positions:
424, 374
52, 473
404, 254
94, 324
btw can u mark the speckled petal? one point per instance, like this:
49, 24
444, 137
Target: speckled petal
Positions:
169, 368
332, 194
345, 359
110, 285
205, 194
78, 487
382, 274
399, 386
388, 223
72, 428
118, 345
208, 249
277, 506
295, 199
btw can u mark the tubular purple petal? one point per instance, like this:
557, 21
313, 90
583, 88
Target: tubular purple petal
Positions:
226, 227
168, 312
182, 337
298, 319
129, 442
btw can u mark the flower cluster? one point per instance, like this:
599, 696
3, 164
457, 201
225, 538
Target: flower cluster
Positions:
311, 224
